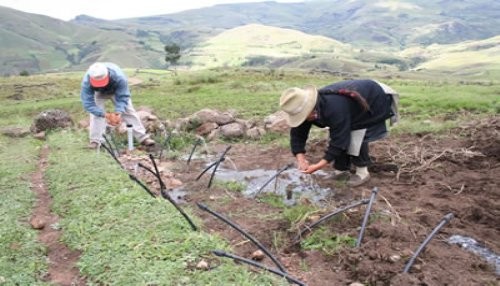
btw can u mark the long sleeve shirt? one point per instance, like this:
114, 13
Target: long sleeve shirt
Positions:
343, 114
118, 85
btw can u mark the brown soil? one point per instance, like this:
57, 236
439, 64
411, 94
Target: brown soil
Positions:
421, 178
62, 261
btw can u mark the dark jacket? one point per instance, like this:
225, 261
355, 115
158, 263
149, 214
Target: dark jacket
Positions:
342, 114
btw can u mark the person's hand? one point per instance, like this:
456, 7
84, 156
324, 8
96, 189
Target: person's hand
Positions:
113, 118
302, 163
315, 167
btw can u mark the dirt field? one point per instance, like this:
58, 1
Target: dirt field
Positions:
420, 178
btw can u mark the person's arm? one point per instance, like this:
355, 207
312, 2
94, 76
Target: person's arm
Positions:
87, 98
298, 138
122, 95
337, 117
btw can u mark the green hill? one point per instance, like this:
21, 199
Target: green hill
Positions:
36, 43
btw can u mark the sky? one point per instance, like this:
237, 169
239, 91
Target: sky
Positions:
113, 9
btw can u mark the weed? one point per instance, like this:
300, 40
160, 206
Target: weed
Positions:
233, 186
322, 239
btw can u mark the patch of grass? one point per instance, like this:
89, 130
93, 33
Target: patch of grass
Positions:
272, 199
23, 258
298, 213
126, 237
232, 186
322, 239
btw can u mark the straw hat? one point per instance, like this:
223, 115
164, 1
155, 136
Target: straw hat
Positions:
298, 103
98, 75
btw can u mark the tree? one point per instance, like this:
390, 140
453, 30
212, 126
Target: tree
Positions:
173, 53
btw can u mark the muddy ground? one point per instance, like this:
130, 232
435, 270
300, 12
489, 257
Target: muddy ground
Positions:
421, 178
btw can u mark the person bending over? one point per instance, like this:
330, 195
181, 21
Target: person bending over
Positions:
106, 81
355, 112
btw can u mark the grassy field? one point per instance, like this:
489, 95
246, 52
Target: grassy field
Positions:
127, 238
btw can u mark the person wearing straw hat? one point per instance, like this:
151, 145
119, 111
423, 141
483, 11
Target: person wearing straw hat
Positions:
102, 82
354, 111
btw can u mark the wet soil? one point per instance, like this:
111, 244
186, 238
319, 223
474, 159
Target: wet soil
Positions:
61, 260
420, 178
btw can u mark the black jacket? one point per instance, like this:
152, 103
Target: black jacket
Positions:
343, 114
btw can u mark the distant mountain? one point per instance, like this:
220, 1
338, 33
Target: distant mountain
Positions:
34, 43
335, 35
367, 23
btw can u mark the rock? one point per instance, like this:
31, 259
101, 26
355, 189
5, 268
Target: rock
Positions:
257, 255
51, 119
356, 284
15, 132
314, 218
206, 128
40, 135
202, 265
394, 258
173, 183
37, 223
232, 130
276, 122
224, 118
255, 132
206, 115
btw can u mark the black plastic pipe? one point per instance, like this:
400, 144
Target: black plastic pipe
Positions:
205, 170
108, 149
166, 196
196, 143
222, 158
158, 176
290, 279
244, 233
272, 178
111, 147
367, 215
446, 219
134, 178
147, 169
326, 217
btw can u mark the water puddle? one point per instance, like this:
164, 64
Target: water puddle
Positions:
290, 184
178, 195
473, 246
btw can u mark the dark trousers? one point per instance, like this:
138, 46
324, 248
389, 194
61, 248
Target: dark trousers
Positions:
343, 162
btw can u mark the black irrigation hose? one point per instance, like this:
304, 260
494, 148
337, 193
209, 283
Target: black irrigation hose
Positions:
134, 178
115, 151
222, 158
273, 177
251, 238
216, 164
326, 217
290, 279
446, 219
166, 196
198, 142
162, 184
108, 149
367, 214
205, 170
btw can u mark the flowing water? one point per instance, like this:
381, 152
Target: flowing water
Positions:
473, 246
291, 184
